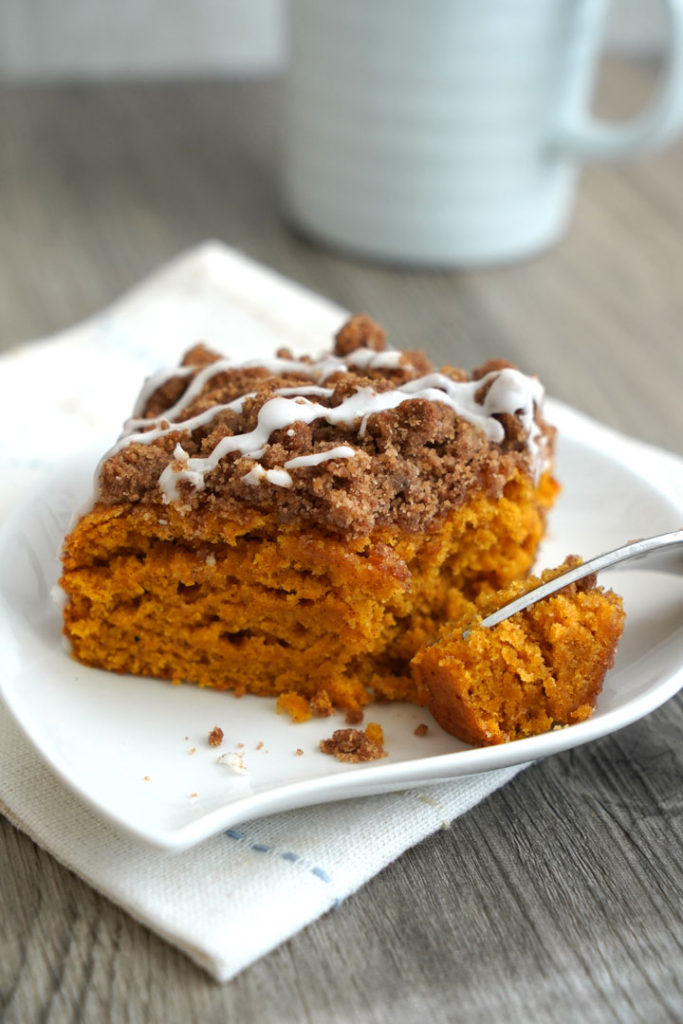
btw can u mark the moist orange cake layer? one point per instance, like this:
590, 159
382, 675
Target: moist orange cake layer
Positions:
265, 608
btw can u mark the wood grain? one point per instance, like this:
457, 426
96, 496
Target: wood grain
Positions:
557, 900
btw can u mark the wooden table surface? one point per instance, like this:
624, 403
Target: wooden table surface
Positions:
559, 898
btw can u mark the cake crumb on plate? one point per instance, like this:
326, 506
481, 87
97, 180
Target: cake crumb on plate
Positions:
216, 736
354, 717
354, 745
296, 706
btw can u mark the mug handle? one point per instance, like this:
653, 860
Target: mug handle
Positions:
581, 136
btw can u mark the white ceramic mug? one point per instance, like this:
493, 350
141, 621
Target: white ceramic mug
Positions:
448, 132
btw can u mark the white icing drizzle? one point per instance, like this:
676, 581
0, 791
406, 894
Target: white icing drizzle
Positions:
171, 477
279, 477
191, 392
367, 358
162, 425
342, 451
318, 370
360, 359
506, 391
509, 391
305, 390
156, 381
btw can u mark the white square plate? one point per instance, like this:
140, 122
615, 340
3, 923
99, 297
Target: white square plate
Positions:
125, 745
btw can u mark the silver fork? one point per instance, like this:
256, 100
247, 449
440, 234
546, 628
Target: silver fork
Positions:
662, 553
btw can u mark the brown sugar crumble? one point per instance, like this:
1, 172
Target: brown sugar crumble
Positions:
192, 750
354, 717
355, 745
421, 730
401, 473
298, 752
216, 736
361, 331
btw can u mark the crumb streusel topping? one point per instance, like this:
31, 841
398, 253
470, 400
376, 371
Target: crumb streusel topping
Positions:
361, 437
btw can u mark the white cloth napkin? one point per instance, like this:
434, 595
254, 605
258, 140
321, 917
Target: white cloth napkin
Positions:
233, 898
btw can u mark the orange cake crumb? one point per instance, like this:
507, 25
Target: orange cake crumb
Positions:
375, 733
297, 707
541, 669
321, 705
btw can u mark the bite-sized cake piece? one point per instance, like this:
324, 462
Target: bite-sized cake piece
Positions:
542, 668
302, 526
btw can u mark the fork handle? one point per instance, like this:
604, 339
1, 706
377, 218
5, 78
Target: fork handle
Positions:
663, 552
